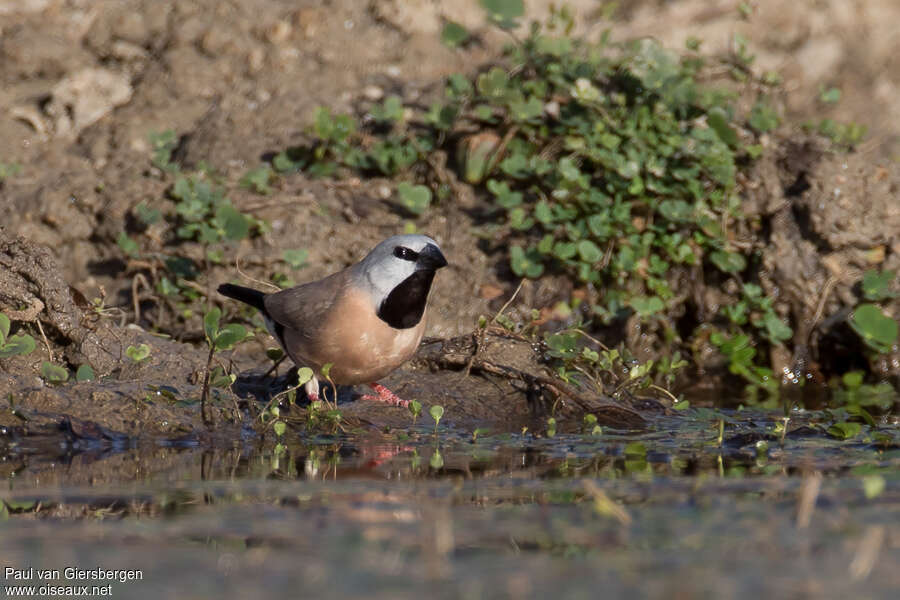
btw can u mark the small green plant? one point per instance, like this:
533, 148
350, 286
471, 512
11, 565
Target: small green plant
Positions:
454, 35
85, 373
436, 412
850, 391
258, 179
414, 198
739, 351
845, 430
876, 285
296, 259
877, 330
8, 170
138, 353
17, 345
219, 339
415, 407
54, 374
551, 427
162, 145
436, 461
205, 214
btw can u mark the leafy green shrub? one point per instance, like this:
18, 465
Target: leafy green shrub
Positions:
610, 163
16, 345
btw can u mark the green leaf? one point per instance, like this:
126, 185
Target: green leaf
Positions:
128, 245
876, 285
4, 328
874, 327
390, 110
415, 407
730, 262
230, 335
763, 118
493, 84
436, 461
635, 450
776, 330
646, 306
525, 264
211, 323
543, 213
414, 198
274, 354
589, 252
718, 121
852, 379
17, 345
873, 485
279, 428
504, 13
436, 412
295, 258
54, 373
138, 353
235, 225
454, 34
304, 375
84, 373
845, 430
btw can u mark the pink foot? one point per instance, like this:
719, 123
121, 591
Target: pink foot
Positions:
385, 395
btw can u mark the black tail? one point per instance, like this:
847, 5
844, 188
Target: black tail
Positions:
246, 295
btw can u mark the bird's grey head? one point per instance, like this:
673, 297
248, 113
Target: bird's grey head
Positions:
398, 274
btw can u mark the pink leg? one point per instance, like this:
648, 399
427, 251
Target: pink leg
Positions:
385, 395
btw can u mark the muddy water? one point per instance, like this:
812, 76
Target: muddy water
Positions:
678, 510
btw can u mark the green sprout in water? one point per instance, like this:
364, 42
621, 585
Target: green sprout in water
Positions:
218, 339
415, 407
436, 412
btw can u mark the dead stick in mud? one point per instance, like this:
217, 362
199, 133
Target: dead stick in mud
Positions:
204, 395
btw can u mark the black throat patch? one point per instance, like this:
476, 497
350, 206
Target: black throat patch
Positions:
405, 304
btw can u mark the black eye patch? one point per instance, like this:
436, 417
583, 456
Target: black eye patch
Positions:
405, 253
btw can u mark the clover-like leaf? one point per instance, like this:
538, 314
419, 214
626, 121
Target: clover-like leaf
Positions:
54, 373
211, 323
730, 262
279, 427
304, 375
454, 35
296, 258
85, 373
525, 263
138, 353
876, 285
229, 335
17, 345
436, 412
875, 328
845, 430
647, 306
414, 198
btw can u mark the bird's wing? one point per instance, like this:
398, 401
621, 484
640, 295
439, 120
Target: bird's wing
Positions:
304, 308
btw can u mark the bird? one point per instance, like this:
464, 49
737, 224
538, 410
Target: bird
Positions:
365, 320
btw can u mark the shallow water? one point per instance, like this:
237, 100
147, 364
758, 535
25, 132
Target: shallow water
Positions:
672, 511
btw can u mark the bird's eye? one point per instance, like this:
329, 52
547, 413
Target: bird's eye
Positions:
405, 253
